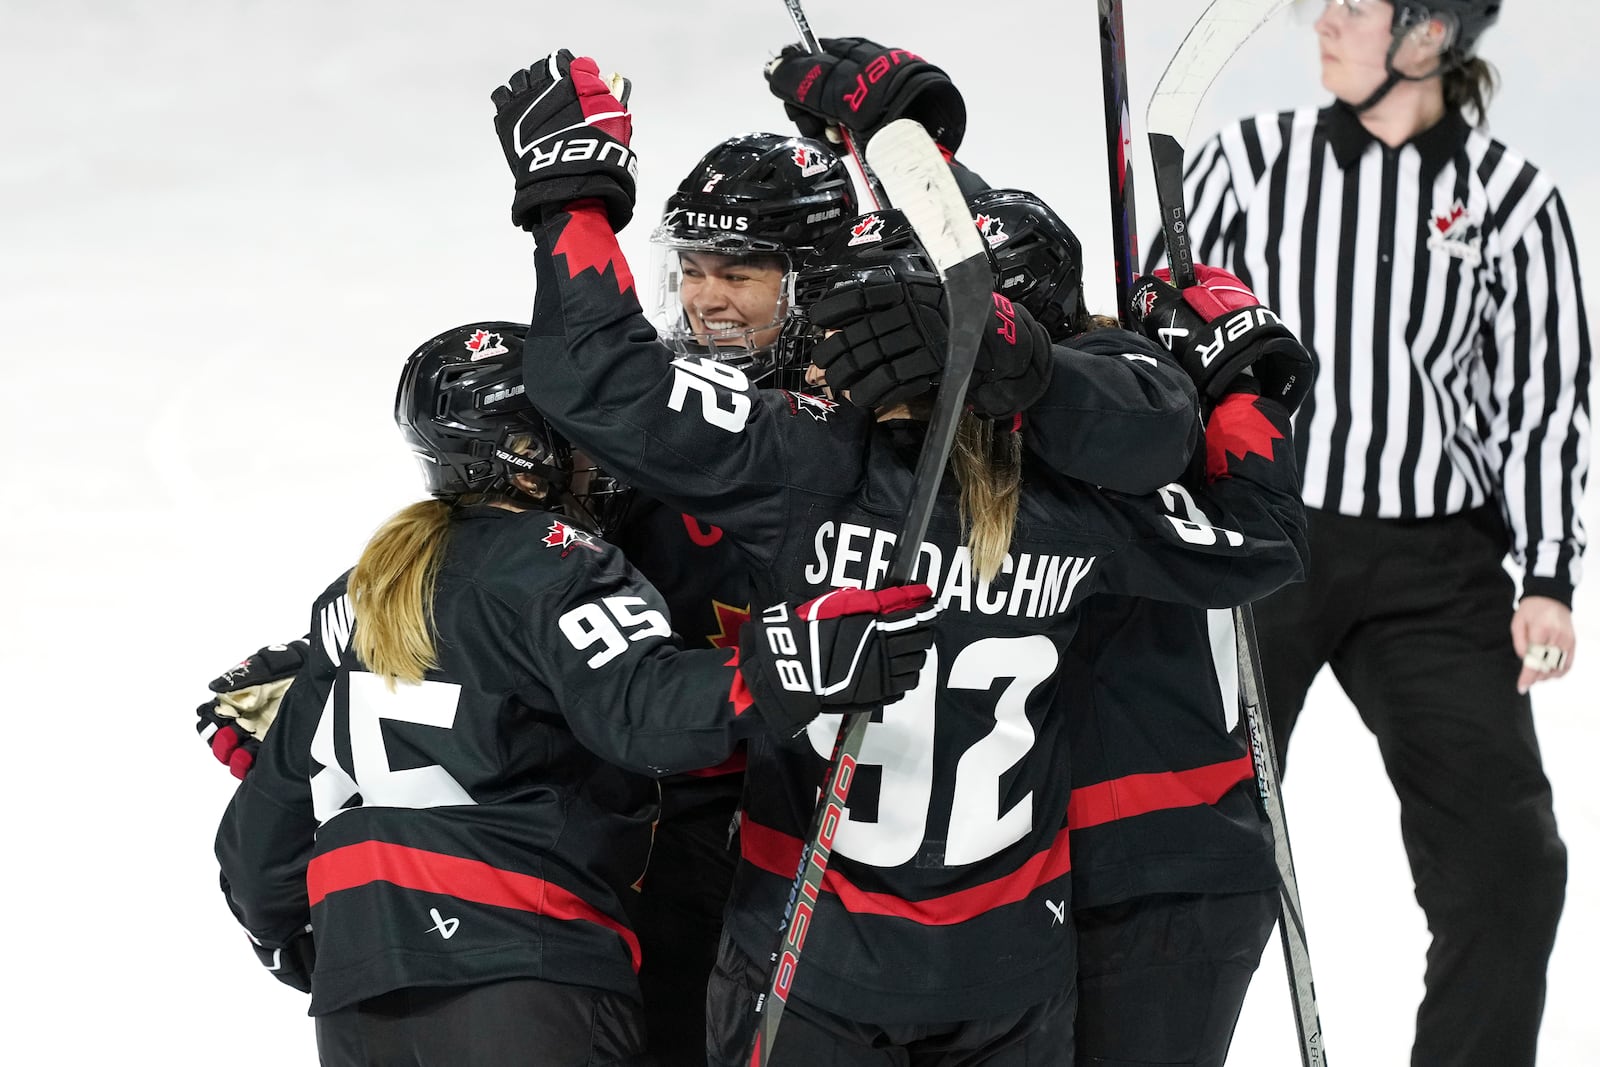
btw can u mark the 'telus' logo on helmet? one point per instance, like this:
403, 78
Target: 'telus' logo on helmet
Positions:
991, 230
809, 160
567, 538
483, 344
868, 229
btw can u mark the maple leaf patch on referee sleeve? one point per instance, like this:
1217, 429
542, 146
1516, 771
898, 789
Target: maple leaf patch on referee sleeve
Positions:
1237, 428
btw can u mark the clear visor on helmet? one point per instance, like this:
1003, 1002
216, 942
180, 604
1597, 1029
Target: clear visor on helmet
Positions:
726, 297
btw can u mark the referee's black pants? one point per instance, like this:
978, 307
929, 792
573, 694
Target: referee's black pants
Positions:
1414, 618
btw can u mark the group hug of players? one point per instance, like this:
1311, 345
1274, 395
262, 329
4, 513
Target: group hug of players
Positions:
538, 790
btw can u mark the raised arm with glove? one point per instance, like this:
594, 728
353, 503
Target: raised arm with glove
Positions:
863, 86
1217, 329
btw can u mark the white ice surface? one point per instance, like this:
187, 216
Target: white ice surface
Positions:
222, 226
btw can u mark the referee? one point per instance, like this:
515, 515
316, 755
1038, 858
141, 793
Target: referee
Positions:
1432, 271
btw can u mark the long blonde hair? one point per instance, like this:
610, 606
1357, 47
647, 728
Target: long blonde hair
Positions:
391, 591
987, 461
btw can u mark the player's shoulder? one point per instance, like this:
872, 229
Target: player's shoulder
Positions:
1116, 341
814, 413
516, 556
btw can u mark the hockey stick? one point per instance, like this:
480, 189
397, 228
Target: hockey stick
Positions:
869, 182
918, 181
1119, 139
1223, 27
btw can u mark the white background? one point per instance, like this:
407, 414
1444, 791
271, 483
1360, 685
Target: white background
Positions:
224, 224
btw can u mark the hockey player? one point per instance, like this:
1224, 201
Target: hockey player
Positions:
1174, 884
727, 245
954, 851
457, 790
731, 238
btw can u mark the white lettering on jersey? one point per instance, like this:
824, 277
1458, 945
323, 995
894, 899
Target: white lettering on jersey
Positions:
369, 702
1027, 585
1190, 522
901, 745
334, 624
724, 391
603, 622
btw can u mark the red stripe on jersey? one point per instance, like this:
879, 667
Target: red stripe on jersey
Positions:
778, 853
734, 764
354, 866
1139, 794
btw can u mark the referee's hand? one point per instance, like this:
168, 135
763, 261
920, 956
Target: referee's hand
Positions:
1542, 634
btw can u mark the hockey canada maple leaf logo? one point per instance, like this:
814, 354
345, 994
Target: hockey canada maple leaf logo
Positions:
1453, 232
1236, 429
1145, 302
991, 229
1449, 220
817, 407
588, 243
483, 344
868, 229
729, 619
567, 538
809, 160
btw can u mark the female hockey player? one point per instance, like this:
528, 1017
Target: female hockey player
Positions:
1173, 878
943, 929
1433, 271
1174, 886
457, 791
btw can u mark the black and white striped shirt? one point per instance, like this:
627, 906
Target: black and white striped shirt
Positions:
1437, 285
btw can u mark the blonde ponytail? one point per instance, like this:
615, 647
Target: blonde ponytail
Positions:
988, 466
391, 590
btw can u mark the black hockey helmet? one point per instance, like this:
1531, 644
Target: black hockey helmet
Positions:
463, 408
1466, 19
761, 199
877, 239
1037, 259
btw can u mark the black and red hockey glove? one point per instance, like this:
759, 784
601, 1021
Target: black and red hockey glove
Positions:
1217, 328
892, 339
863, 86
565, 131
847, 650
235, 721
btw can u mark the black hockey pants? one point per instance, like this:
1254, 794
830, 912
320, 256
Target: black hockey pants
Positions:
1414, 618
500, 1024
1037, 1036
1161, 979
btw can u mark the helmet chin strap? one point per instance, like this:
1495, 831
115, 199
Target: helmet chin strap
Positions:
1394, 77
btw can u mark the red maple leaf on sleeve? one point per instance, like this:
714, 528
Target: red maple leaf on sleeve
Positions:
1237, 428
588, 242
729, 619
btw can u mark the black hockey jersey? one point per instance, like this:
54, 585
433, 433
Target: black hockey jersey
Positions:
478, 826
1163, 797
950, 884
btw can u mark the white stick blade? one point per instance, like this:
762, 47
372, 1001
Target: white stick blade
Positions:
1221, 30
918, 182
